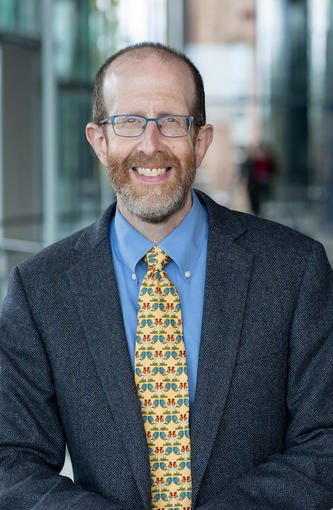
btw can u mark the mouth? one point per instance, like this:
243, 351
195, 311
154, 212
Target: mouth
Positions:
151, 172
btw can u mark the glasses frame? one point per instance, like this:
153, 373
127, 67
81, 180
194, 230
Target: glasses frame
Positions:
112, 118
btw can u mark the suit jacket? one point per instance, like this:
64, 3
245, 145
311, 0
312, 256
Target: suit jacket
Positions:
262, 424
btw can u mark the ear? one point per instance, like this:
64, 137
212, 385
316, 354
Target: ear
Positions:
203, 140
96, 138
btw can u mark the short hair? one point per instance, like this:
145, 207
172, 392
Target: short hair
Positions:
145, 49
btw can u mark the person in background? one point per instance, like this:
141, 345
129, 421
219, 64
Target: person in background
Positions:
181, 350
261, 171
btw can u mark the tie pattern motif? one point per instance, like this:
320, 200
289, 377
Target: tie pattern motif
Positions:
162, 384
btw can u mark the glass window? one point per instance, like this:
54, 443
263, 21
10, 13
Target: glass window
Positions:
20, 16
79, 178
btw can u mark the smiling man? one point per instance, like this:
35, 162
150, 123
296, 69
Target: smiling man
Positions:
152, 173
181, 350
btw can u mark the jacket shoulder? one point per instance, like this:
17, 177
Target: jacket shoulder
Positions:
61, 255
273, 245
252, 230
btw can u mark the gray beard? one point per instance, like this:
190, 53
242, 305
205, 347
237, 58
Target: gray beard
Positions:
156, 206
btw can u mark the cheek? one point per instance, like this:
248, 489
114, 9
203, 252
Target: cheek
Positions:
118, 150
183, 149
113, 144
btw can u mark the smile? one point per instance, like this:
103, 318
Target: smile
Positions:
151, 172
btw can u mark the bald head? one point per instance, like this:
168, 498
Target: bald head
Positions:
144, 51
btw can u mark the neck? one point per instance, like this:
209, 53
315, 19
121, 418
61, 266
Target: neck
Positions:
156, 232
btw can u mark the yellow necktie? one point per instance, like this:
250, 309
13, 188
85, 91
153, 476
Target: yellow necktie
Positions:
162, 385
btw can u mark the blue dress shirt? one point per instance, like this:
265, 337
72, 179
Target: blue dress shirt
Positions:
187, 247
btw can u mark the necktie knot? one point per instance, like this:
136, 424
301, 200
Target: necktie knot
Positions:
156, 259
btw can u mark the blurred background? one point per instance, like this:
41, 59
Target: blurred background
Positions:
268, 72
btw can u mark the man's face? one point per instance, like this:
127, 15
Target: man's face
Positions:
150, 87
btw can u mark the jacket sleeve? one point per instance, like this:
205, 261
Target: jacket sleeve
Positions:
32, 442
301, 476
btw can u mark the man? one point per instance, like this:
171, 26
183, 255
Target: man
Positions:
256, 303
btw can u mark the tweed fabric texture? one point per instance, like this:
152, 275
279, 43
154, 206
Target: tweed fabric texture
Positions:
162, 384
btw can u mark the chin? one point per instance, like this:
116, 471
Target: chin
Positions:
155, 207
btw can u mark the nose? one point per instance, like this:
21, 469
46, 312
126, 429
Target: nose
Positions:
151, 141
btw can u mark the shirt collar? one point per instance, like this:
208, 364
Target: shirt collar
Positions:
183, 244
128, 244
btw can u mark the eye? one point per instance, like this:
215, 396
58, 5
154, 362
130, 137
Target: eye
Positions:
130, 120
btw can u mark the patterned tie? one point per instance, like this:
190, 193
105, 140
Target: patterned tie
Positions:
162, 384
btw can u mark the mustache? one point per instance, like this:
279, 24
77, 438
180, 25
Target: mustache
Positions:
158, 161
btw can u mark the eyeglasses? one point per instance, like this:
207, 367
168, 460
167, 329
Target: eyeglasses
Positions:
171, 126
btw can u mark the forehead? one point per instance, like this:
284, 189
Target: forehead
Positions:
149, 85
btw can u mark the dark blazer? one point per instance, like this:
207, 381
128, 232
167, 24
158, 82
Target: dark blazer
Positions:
262, 425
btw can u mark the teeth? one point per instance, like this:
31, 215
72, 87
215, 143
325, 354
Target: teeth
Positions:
150, 172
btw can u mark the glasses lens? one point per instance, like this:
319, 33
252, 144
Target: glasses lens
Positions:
174, 125
128, 125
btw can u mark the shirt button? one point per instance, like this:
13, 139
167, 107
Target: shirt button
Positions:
133, 276
187, 274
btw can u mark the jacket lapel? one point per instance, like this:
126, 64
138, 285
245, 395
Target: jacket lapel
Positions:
227, 279
95, 294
